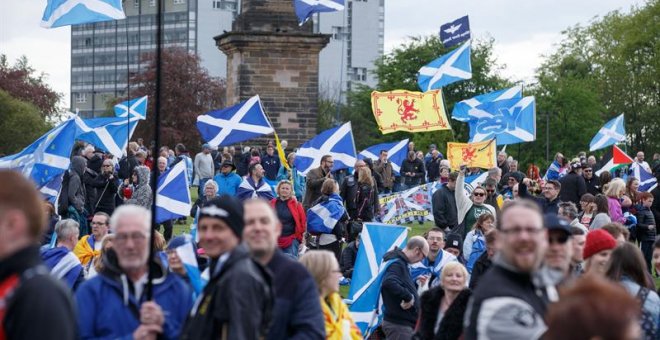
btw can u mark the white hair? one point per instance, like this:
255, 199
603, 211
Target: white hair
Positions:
66, 228
211, 183
130, 210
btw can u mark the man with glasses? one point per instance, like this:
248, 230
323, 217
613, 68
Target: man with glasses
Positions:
399, 293
511, 299
89, 246
114, 305
549, 202
427, 271
592, 182
560, 246
315, 179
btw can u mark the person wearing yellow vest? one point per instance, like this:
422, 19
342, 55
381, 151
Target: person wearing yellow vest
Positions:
89, 246
323, 266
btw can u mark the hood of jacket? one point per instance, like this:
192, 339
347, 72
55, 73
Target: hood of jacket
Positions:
143, 174
78, 165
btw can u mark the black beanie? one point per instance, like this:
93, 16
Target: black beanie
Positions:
226, 208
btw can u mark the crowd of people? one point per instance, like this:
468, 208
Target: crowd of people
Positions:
516, 257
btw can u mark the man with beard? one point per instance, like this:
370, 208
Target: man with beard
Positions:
510, 300
315, 179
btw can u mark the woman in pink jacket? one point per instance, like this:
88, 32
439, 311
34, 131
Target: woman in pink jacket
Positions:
615, 191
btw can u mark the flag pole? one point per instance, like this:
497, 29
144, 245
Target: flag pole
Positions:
154, 173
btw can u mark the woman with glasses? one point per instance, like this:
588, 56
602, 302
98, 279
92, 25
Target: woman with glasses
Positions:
469, 209
325, 270
106, 188
475, 241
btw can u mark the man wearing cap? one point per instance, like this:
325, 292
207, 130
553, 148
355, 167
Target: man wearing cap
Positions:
592, 182
204, 169
573, 185
426, 272
237, 301
560, 246
228, 181
453, 246
254, 185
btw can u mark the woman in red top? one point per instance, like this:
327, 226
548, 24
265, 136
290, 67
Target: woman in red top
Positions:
292, 216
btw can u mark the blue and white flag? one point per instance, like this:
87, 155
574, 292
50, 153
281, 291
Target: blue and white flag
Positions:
51, 190
647, 181
447, 69
172, 195
509, 121
323, 217
553, 172
73, 12
461, 111
305, 8
455, 32
611, 133
108, 134
364, 295
396, 153
193, 227
337, 142
243, 121
188, 257
135, 107
47, 157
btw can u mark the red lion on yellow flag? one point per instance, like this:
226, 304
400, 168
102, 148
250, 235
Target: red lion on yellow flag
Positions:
478, 155
409, 111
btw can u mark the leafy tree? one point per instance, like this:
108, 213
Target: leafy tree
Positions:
21, 124
21, 82
187, 91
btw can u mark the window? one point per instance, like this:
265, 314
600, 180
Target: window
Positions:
136, 3
339, 32
81, 98
178, 2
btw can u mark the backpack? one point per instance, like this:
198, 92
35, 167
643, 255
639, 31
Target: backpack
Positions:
63, 198
647, 322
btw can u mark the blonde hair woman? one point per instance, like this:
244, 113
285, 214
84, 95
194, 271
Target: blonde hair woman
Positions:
97, 264
615, 190
323, 266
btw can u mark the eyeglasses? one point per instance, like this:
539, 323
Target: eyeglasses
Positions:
588, 170
560, 239
108, 165
137, 237
478, 194
98, 223
490, 191
519, 230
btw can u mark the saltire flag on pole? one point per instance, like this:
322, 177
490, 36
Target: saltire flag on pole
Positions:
477, 155
449, 68
51, 190
455, 32
108, 134
172, 195
509, 121
647, 181
243, 121
305, 8
47, 157
402, 110
365, 301
135, 107
553, 172
73, 12
188, 257
337, 142
616, 159
396, 153
461, 111
611, 133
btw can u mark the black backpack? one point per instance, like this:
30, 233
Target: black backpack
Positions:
63, 198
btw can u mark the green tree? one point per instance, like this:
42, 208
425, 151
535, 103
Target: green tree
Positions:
21, 124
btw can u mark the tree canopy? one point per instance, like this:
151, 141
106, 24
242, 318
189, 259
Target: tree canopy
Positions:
21, 81
21, 124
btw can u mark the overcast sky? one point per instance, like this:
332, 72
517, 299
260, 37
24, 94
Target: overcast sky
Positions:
523, 30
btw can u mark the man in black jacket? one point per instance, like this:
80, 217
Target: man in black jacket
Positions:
106, 189
573, 185
348, 257
237, 301
412, 171
443, 202
592, 182
399, 292
549, 202
33, 304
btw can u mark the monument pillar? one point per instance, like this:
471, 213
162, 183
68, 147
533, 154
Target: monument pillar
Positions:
270, 55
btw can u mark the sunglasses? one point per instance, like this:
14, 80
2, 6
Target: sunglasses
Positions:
479, 194
490, 191
560, 239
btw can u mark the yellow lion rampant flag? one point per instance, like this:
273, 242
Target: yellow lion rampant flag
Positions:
472, 155
401, 110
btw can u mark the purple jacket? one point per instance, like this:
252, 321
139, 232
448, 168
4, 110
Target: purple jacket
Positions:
615, 210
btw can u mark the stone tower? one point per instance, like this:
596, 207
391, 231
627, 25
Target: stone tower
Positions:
270, 55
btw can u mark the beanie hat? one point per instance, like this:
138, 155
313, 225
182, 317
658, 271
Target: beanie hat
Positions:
180, 240
226, 208
597, 241
453, 241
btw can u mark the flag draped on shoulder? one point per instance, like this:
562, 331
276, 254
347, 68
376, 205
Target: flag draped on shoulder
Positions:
455, 32
172, 195
396, 153
509, 121
449, 68
73, 12
337, 142
135, 108
364, 295
402, 110
188, 257
461, 111
305, 8
243, 121
108, 134
477, 155
611, 133
323, 217
615, 160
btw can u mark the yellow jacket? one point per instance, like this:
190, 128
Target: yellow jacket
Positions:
84, 250
339, 324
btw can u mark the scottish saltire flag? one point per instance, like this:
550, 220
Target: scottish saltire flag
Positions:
611, 133
461, 111
172, 195
455, 32
47, 157
188, 257
243, 121
51, 190
337, 142
647, 181
509, 121
193, 227
323, 217
135, 107
473, 181
73, 12
108, 134
447, 69
553, 171
305, 8
396, 153
364, 295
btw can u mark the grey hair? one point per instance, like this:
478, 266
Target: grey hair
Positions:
130, 210
66, 228
211, 183
416, 242
569, 209
494, 171
513, 162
